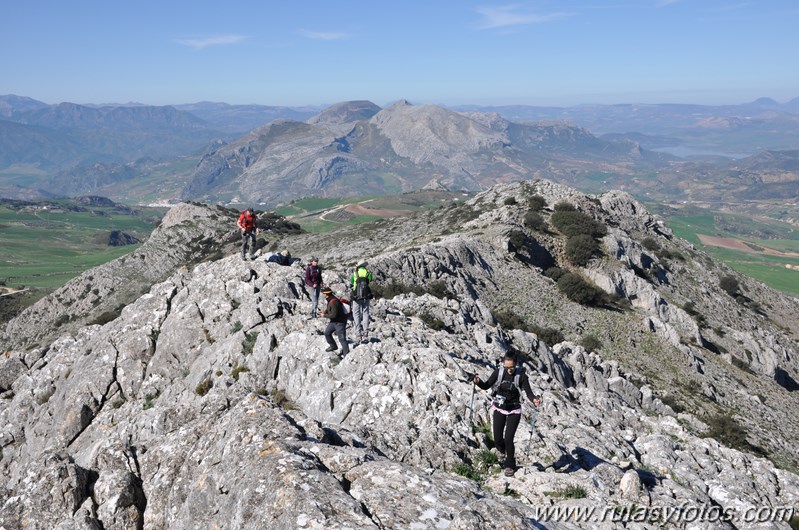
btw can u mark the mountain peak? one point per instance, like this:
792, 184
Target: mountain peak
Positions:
345, 112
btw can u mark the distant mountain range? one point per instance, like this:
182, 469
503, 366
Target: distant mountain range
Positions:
272, 154
359, 148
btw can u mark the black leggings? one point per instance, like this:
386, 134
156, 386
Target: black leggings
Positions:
504, 431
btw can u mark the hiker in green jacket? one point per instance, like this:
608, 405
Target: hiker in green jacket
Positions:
361, 294
507, 383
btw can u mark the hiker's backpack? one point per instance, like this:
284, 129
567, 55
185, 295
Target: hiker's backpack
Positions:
247, 219
499, 398
347, 306
362, 290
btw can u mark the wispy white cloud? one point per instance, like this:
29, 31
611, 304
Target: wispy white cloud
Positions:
217, 40
512, 15
324, 35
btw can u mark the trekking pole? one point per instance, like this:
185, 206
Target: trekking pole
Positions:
471, 403
533, 421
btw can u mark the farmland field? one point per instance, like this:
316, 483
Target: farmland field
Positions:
737, 241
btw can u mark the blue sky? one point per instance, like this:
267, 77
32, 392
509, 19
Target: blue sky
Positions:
564, 52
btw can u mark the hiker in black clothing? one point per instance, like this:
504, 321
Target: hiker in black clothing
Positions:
313, 279
338, 322
507, 382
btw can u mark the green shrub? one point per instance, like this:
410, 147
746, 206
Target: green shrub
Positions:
236, 327
581, 248
536, 203
591, 343
730, 285
672, 402
564, 206
510, 320
237, 370
203, 388
488, 432
149, 399
579, 290
281, 400
649, 243
517, 240
569, 492
439, 289
248, 343
551, 336
432, 322
465, 470
535, 221
572, 223
486, 458
555, 273
665, 254
730, 433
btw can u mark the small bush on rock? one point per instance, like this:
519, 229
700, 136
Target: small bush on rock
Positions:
591, 343
581, 248
536, 203
551, 336
509, 320
573, 223
535, 221
203, 388
579, 290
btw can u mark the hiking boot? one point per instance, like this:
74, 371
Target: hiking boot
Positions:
509, 471
331, 348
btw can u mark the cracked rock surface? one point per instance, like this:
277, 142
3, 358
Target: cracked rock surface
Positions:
209, 402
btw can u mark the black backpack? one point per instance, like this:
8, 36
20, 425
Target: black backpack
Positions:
503, 391
362, 290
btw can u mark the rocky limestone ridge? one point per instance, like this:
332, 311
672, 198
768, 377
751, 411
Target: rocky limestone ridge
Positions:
209, 400
187, 233
700, 347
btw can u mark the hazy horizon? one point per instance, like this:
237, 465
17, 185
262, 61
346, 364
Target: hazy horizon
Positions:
545, 52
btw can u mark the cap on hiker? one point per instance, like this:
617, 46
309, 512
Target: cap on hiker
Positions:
327, 291
313, 258
250, 209
361, 263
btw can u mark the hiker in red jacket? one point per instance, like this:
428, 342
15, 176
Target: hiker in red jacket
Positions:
246, 224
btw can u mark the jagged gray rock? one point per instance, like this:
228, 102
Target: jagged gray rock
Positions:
210, 400
186, 233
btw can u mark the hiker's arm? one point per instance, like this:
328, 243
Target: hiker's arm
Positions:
485, 385
525, 384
